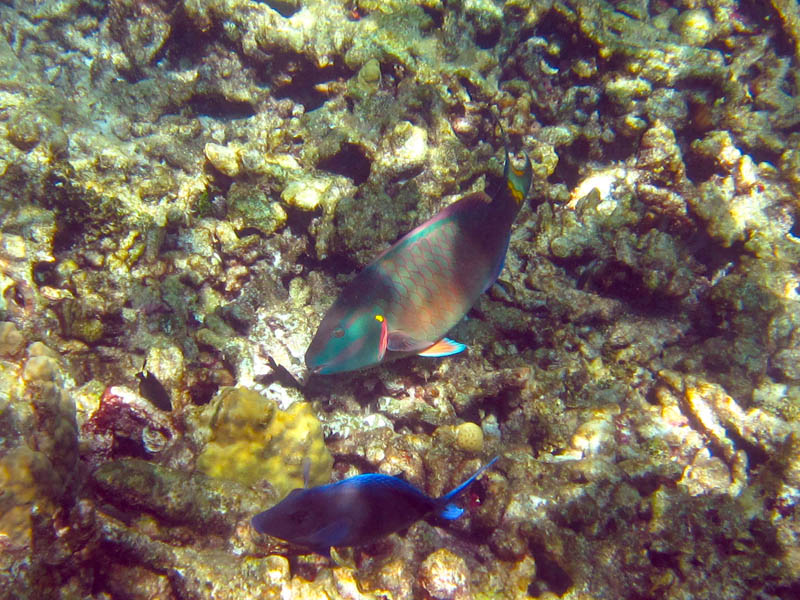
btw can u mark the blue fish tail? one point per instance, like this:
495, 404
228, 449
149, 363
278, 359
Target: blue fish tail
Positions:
451, 511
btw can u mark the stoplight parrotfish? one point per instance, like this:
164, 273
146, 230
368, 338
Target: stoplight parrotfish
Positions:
410, 296
354, 511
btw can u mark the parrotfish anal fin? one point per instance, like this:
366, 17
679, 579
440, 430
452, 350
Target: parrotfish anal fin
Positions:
400, 341
444, 347
451, 511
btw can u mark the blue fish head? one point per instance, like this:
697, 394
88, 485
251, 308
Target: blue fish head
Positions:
348, 338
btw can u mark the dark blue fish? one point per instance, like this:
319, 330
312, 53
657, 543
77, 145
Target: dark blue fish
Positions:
354, 511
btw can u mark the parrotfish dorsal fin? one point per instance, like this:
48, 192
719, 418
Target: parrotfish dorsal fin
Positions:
518, 180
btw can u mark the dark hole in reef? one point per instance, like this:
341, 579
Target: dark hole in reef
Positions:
202, 392
187, 43
218, 107
619, 149
647, 484
548, 571
710, 253
767, 19
699, 168
349, 161
766, 535
617, 280
555, 27
298, 220
665, 560
304, 76
795, 230
760, 154
248, 231
127, 448
436, 15
113, 327
785, 592
44, 273
237, 316
72, 210
13, 294
219, 180
755, 455
570, 159
473, 90
286, 9
488, 39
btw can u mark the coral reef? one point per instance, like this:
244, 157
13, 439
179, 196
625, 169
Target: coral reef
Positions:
186, 186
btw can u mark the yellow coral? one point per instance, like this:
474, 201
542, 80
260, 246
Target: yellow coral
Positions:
252, 441
469, 437
26, 478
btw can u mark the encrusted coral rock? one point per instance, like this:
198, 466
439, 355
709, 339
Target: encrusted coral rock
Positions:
11, 340
253, 442
224, 158
445, 576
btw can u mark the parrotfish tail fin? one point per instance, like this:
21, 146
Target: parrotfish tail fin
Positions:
444, 347
451, 511
518, 181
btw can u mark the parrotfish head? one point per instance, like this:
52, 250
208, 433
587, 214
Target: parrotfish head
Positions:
348, 339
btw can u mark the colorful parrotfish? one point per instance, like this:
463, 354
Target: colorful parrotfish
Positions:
354, 511
410, 296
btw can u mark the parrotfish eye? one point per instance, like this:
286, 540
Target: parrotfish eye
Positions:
338, 332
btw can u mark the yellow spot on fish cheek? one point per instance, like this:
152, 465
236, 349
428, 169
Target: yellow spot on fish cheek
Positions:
379, 318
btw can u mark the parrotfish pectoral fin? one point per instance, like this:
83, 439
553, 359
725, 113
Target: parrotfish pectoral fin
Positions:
444, 347
383, 343
400, 341
451, 511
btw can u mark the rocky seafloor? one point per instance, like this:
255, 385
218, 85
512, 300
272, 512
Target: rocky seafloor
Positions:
186, 185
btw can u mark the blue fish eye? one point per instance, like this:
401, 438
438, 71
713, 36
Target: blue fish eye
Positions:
298, 516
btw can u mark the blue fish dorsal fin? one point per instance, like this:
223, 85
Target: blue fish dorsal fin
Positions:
444, 347
449, 496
